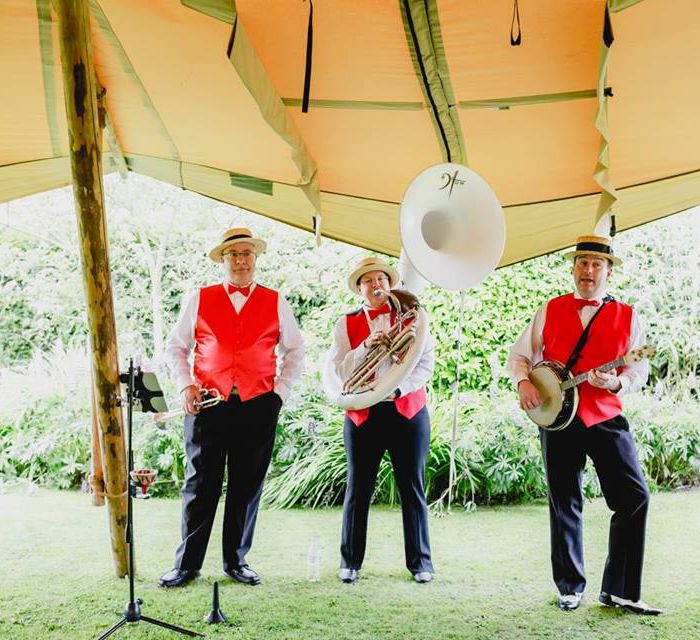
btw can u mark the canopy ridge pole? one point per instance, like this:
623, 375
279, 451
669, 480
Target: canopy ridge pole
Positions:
84, 138
424, 39
601, 173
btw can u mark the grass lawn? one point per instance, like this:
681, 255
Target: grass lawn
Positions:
493, 579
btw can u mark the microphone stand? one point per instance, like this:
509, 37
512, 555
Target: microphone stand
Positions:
132, 609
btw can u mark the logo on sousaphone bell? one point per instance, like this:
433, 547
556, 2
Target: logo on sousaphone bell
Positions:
450, 181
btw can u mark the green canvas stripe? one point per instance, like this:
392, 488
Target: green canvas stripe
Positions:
518, 101
245, 61
222, 10
424, 39
363, 105
48, 66
108, 33
601, 173
251, 183
445, 82
619, 5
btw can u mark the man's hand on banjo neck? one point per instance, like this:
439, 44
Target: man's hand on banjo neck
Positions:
603, 380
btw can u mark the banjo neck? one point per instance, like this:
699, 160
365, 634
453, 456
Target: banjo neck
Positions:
582, 377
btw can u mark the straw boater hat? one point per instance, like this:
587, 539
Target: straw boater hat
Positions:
594, 246
234, 236
371, 264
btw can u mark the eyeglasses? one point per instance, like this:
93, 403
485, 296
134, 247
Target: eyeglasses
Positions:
380, 278
232, 255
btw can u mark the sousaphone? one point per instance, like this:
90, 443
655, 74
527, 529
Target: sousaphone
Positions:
452, 231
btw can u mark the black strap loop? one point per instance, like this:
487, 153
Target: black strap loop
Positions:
608, 36
515, 41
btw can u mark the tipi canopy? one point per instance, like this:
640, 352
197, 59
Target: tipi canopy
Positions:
551, 102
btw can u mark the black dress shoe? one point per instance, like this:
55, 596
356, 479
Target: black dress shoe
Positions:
570, 601
633, 606
243, 574
348, 576
177, 577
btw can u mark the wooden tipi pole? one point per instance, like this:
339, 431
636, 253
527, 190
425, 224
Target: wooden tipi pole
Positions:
86, 165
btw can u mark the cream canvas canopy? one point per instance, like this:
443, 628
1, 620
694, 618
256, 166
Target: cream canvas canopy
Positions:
552, 102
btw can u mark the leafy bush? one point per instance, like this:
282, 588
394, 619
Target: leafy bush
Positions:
44, 417
45, 420
497, 454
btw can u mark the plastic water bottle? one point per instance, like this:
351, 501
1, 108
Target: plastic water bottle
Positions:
313, 560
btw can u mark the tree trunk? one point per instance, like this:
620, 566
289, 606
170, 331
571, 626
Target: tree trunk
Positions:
86, 165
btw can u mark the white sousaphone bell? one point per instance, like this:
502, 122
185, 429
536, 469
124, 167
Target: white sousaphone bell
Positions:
452, 226
452, 232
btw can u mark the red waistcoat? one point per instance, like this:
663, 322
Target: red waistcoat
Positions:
236, 349
608, 339
409, 405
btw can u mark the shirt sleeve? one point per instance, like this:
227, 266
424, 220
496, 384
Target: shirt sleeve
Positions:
290, 350
341, 360
180, 343
634, 376
527, 348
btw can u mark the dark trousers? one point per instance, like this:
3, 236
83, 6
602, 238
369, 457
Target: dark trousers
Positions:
610, 446
407, 442
237, 437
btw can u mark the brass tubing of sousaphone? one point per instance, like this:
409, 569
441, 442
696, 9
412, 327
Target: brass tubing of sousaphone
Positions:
399, 336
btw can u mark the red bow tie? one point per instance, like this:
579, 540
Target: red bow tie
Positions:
581, 303
373, 313
245, 291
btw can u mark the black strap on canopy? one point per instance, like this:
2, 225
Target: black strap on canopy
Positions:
309, 49
515, 40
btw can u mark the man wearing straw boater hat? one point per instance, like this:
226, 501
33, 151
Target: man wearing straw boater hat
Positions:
599, 430
248, 348
399, 424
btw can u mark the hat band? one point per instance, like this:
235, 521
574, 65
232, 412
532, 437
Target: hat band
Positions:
240, 235
594, 246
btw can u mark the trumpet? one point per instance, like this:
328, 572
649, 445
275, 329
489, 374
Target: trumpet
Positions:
214, 397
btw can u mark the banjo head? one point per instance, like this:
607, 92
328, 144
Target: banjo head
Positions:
547, 383
558, 407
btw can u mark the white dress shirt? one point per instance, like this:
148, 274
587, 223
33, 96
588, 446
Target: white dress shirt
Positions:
342, 359
527, 350
290, 348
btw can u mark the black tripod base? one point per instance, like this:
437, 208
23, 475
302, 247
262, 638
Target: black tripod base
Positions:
132, 613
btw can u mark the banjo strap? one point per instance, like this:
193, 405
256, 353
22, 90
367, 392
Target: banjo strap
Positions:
584, 336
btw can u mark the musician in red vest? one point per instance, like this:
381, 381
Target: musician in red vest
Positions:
400, 425
599, 430
247, 346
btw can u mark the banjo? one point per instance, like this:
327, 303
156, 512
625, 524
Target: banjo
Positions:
557, 389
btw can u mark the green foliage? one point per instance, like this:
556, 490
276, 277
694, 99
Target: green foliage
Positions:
45, 420
497, 459
159, 236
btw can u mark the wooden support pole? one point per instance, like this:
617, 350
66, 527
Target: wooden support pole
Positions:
97, 476
86, 165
